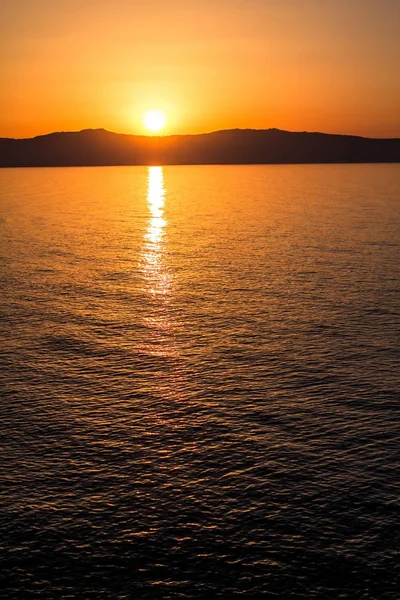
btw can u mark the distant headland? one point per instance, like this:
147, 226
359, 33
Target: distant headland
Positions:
98, 147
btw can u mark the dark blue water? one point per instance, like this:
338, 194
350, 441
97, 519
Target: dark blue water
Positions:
201, 383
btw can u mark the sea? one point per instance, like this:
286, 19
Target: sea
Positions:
200, 382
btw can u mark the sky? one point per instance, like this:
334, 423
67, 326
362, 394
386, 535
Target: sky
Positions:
300, 65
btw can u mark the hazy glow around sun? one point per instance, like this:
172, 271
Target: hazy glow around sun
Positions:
154, 120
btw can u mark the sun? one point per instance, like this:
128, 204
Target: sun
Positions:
154, 120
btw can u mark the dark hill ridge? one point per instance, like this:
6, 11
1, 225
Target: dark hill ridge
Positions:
98, 147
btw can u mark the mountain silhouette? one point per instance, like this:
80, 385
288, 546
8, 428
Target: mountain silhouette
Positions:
98, 147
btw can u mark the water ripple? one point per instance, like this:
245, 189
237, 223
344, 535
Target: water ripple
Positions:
200, 383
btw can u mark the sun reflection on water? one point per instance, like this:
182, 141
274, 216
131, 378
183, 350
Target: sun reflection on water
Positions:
155, 201
153, 255
157, 278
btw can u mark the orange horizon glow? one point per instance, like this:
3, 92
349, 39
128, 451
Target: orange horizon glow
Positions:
321, 65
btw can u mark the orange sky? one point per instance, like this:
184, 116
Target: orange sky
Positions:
316, 65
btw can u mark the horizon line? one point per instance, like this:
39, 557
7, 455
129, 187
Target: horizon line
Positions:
161, 136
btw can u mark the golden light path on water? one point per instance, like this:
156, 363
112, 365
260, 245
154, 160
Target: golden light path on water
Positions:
154, 268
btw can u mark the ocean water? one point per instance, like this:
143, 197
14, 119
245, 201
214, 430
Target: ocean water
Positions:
201, 382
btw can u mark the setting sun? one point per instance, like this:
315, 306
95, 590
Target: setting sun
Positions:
154, 120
